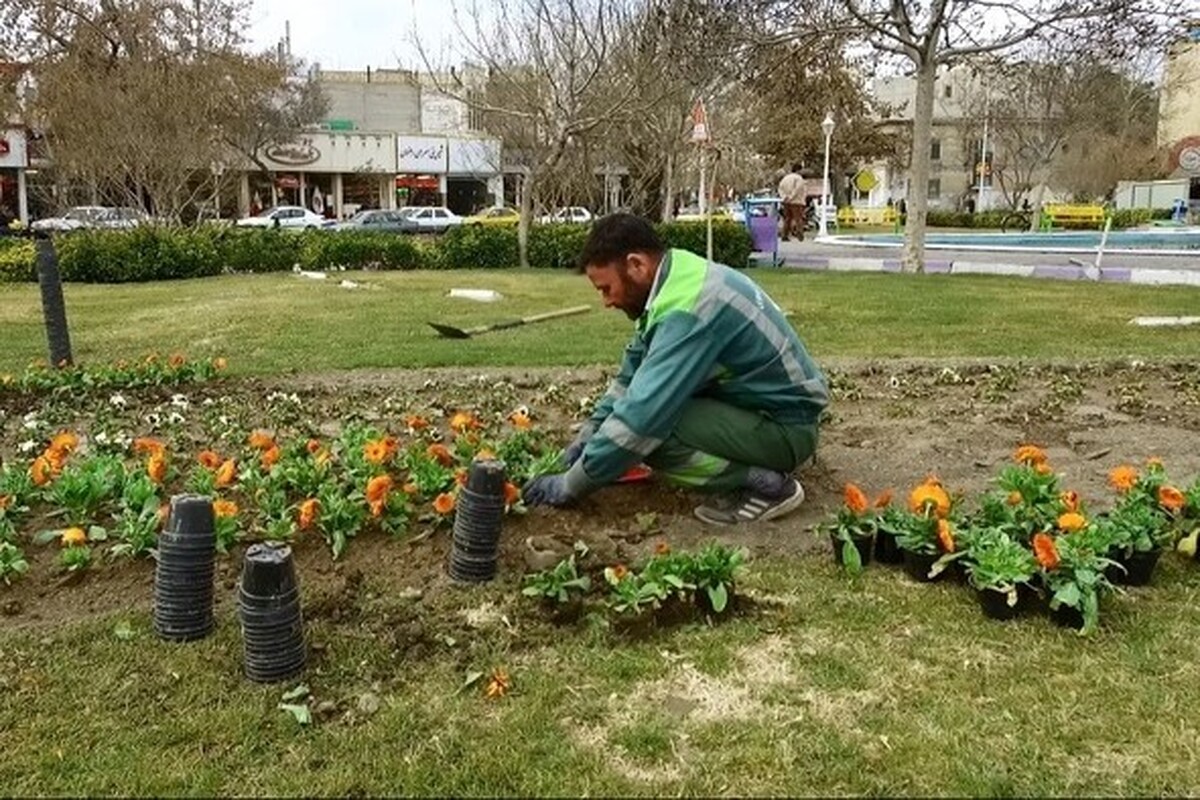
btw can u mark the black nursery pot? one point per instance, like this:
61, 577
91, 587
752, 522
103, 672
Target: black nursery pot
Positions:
863, 544
1067, 617
917, 565
995, 604
1139, 568
887, 551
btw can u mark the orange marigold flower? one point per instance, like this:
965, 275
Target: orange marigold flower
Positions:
410, 489
261, 440
164, 511
322, 457
1123, 478
1070, 500
392, 444
485, 455
225, 508
5, 501
219, 363
73, 537
1154, 462
856, 499
662, 549
440, 453
444, 503
498, 684
57, 458
931, 480
945, 535
619, 572
270, 457
41, 471
156, 467
1043, 468
312, 446
226, 473
520, 420
462, 421
307, 514
929, 497
1071, 522
208, 459
378, 488
1045, 550
1029, 454
884, 500
512, 493
177, 360
460, 476
64, 442
416, 423
147, 445
375, 452
1171, 498
1014, 498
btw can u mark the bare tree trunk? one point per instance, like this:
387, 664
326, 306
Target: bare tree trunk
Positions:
918, 171
525, 204
668, 188
1035, 218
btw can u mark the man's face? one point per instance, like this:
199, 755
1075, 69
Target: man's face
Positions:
625, 284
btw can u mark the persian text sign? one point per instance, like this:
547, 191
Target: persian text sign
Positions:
421, 154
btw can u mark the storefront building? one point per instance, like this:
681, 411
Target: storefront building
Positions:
332, 173
461, 173
14, 160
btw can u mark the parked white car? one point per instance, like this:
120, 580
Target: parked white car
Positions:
577, 214
429, 219
92, 217
295, 217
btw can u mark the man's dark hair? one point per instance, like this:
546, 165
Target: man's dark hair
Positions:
797, 167
616, 236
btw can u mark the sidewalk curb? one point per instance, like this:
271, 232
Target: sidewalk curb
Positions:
1139, 275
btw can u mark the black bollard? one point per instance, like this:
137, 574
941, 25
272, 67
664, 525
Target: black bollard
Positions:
183, 576
269, 605
478, 518
54, 308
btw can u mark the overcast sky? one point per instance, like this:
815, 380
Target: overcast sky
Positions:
353, 34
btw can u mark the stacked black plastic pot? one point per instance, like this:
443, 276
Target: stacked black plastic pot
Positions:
269, 606
478, 515
183, 576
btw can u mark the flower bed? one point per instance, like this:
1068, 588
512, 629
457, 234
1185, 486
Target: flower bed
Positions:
1028, 539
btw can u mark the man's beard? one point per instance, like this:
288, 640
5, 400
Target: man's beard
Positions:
636, 298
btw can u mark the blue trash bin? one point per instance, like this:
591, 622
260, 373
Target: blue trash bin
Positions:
762, 220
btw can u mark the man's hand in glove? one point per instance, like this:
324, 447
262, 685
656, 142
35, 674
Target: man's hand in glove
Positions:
575, 449
548, 490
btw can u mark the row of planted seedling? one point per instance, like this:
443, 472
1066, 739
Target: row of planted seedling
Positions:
1028, 541
103, 494
151, 370
668, 585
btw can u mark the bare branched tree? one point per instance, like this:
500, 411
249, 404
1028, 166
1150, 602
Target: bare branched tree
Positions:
137, 98
927, 35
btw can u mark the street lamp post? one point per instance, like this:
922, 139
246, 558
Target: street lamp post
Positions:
827, 128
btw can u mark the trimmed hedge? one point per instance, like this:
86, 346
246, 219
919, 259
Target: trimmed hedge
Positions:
18, 260
152, 253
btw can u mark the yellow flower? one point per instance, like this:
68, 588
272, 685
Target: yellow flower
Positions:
156, 467
308, 513
226, 473
462, 421
1029, 454
929, 496
1071, 522
73, 537
225, 508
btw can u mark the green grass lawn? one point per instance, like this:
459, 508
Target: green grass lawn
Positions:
269, 324
880, 687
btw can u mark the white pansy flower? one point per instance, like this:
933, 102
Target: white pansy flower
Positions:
27, 446
101, 438
179, 401
175, 418
117, 400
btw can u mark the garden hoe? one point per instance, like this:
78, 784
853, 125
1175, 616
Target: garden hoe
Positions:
451, 332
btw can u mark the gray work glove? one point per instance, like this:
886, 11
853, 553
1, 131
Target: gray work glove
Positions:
575, 448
